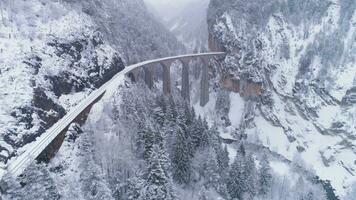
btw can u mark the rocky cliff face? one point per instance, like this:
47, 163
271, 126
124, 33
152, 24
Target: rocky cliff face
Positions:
51, 58
303, 55
54, 53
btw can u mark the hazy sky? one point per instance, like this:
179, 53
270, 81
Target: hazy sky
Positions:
169, 8
168, 3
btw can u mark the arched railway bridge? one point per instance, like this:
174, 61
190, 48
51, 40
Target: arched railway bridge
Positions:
17, 165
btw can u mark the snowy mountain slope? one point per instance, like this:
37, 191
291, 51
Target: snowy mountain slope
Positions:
303, 53
49, 54
190, 26
54, 53
128, 26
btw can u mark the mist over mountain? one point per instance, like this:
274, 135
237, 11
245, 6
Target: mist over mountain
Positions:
187, 20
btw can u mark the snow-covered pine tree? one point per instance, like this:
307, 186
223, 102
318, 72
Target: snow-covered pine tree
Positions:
172, 111
188, 115
139, 140
213, 178
162, 103
236, 183
265, 176
222, 157
35, 184
158, 185
95, 185
196, 132
181, 159
166, 162
149, 141
251, 177
184, 121
206, 136
213, 135
159, 115
241, 150
135, 187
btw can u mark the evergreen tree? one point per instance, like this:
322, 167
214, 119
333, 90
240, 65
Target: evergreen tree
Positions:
172, 112
212, 170
135, 187
149, 141
251, 177
265, 176
158, 185
242, 180
213, 136
236, 182
188, 115
93, 179
184, 123
213, 177
162, 103
159, 115
223, 161
166, 162
35, 184
196, 132
241, 150
181, 159
139, 139
206, 134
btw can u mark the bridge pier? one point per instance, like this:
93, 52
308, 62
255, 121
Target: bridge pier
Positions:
185, 90
134, 75
204, 83
149, 77
166, 77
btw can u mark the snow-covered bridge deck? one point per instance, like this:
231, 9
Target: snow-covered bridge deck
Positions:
17, 165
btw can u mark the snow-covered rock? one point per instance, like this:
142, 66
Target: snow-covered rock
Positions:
48, 53
303, 53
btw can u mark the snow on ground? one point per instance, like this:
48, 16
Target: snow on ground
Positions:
315, 145
280, 168
70, 100
208, 110
226, 133
232, 153
24, 35
305, 130
236, 109
28, 57
68, 160
272, 137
